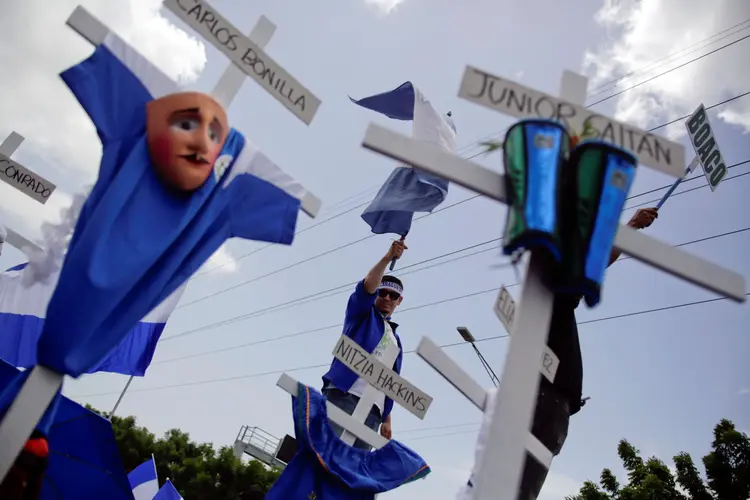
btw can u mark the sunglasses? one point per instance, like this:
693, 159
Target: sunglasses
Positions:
383, 293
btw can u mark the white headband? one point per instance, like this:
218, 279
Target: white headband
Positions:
392, 286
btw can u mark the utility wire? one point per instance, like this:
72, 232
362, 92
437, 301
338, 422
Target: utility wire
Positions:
412, 351
322, 294
670, 70
681, 53
422, 306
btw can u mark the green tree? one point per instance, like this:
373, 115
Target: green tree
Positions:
727, 472
197, 470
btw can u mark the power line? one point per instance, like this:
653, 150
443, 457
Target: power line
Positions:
422, 306
688, 190
671, 56
336, 290
412, 351
670, 70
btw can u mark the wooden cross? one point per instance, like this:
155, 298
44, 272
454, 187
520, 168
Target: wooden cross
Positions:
26, 181
380, 379
43, 383
498, 472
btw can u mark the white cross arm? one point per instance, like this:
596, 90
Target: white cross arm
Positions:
432, 159
93, 30
19, 177
466, 385
338, 416
14, 239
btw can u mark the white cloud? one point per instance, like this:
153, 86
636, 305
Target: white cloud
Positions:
640, 32
35, 46
221, 261
385, 6
744, 391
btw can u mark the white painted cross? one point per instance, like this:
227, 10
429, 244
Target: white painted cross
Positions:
247, 55
43, 383
380, 379
25, 181
498, 473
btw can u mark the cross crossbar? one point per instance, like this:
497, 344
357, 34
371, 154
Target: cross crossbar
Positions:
432, 159
338, 416
466, 385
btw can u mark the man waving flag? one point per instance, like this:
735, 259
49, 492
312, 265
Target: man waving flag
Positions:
407, 190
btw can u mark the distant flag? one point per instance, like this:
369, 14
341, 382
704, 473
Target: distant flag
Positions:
143, 480
168, 492
407, 190
22, 311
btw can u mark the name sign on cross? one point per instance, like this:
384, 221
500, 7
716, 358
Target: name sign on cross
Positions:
505, 308
706, 148
250, 58
519, 101
381, 377
29, 183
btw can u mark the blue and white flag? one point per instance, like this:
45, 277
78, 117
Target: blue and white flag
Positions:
407, 190
22, 313
143, 481
167, 492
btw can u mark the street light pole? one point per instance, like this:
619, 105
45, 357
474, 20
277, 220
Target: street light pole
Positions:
468, 337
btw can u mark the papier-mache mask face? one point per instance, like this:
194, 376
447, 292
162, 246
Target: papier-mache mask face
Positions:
185, 133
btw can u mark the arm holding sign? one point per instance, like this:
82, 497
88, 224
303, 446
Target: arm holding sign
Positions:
642, 218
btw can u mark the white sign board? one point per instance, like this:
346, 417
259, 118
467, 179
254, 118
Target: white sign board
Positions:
26, 181
523, 102
247, 56
706, 148
381, 377
505, 308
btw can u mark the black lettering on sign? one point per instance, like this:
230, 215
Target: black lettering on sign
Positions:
696, 121
718, 174
222, 34
280, 85
13, 175
368, 371
703, 133
507, 96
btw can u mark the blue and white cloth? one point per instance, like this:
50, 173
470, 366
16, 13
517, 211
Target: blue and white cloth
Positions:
143, 480
22, 313
326, 468
135, 242
168, 492
407, 190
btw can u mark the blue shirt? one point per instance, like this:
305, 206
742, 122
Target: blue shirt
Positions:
326, 468
135, 241
364, 324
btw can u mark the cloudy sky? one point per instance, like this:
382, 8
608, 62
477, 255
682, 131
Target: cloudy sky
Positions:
660, 379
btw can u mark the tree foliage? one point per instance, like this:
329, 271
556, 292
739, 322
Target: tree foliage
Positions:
727, 472
196, 470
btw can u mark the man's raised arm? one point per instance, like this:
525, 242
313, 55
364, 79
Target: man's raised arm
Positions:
375, 276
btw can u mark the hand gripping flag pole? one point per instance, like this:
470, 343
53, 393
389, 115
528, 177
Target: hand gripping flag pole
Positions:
393, 261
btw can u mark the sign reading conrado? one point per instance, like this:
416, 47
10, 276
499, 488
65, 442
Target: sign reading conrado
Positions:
26, 181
